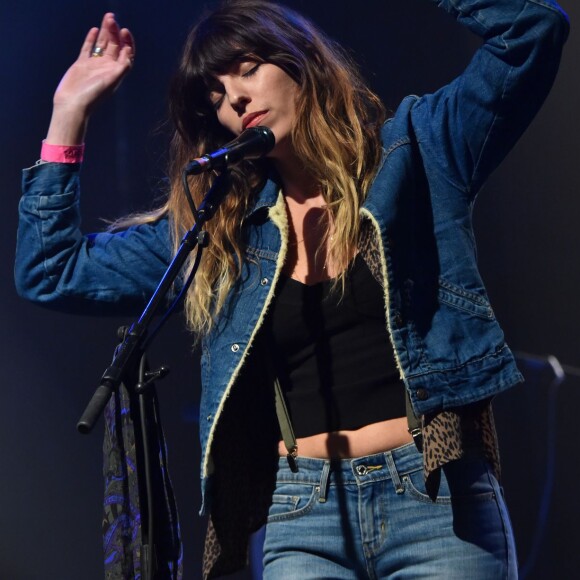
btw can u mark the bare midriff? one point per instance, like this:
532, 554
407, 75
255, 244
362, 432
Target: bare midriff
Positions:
368, 440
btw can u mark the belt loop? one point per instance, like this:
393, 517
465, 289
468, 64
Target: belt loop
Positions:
399, 488
324, 478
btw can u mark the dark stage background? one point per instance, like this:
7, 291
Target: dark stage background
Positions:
527, 222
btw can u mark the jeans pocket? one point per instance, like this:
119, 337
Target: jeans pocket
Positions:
291, 501
464, 481
414, 485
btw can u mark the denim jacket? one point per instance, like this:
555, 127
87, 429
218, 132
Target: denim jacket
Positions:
438, 151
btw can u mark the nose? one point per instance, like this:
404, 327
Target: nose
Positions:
239, 102
237, 95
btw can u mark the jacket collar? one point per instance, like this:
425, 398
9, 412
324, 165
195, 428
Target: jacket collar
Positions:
265, 198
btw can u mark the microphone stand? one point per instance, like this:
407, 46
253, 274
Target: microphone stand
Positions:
129, 366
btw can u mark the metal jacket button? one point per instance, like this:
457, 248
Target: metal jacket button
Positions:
264, 281
235, 347
422, 394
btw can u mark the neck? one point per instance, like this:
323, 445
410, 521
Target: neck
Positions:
297, 183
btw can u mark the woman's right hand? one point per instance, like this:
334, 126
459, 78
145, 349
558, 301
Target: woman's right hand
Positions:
89, 80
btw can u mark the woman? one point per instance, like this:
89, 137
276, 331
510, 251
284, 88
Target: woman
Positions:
342, 268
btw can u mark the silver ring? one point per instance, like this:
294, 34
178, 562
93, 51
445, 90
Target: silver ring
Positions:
98, 51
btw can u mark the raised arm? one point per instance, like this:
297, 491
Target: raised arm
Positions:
106, 56
56, 264
466, 129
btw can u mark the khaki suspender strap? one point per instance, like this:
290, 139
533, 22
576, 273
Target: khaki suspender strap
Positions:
285, 425
414, 423
286, 430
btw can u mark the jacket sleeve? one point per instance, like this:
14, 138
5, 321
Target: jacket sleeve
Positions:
56, 265
466, 129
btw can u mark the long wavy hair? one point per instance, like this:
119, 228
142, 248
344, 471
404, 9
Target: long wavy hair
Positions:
336, 135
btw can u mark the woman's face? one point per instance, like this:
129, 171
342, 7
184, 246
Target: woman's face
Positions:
251, 94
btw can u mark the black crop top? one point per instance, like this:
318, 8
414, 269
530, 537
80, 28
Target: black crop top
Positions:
333, 355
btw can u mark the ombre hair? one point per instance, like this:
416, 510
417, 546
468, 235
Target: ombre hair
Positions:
336, 136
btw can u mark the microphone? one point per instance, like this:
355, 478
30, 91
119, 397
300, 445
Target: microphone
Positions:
252, 143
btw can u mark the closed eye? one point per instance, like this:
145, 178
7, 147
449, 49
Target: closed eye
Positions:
216, 100
215, 95
252, 71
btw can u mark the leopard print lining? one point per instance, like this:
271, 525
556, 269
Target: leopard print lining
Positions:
370, 250
453, 434
211, 550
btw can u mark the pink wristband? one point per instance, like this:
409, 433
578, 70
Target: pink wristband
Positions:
62, 153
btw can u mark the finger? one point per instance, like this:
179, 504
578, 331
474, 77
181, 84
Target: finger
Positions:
126, 57
114, 38
104, 32
127, 46
88, 43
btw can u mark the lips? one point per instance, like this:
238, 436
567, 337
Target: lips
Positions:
253, 119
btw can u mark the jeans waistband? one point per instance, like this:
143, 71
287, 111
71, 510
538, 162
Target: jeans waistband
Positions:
360, 470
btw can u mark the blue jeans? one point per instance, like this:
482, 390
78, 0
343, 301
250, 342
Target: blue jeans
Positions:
371, 518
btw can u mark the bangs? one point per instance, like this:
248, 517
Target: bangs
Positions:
237, 32
216, 49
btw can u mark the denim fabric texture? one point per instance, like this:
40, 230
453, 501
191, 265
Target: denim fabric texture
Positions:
438, 151
371, 518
